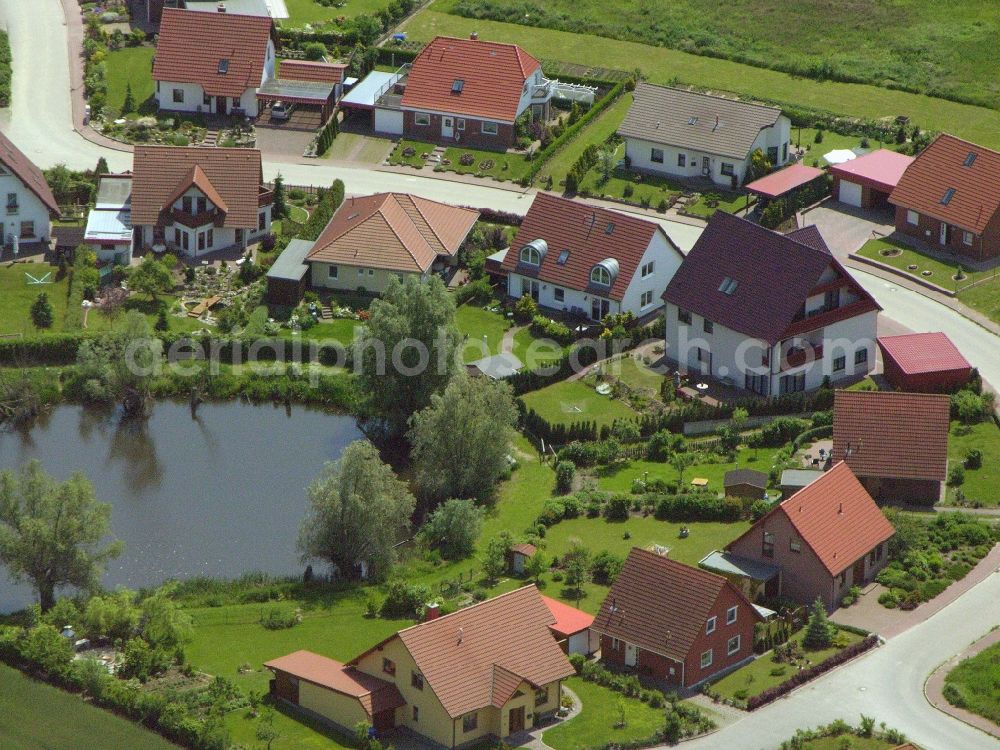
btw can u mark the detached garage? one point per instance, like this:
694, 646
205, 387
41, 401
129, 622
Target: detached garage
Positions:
867, 181
924, 363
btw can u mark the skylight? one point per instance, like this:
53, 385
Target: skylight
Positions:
970, 159
693, 121
563, 257
948, 195
609, 228
457, 86
223, 66
728, 285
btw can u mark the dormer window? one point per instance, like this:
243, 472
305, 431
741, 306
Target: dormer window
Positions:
604, 273
533, 252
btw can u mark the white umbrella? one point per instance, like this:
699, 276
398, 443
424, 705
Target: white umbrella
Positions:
840, 155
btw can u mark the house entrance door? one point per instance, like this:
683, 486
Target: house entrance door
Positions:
220, 105
516, 721
529, 287
858, 574
630, 655
599, 308
447, 127
945, 232
706, 166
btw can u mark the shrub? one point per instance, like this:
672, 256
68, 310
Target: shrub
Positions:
956, 475
404, 599
315, 51
525, 309
605, 567
477, 292
617, 508
565, 473
663, 444
278, 618
543, 327
974, 459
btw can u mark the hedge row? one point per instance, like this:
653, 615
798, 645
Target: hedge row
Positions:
496, 216
5, 70
810, 673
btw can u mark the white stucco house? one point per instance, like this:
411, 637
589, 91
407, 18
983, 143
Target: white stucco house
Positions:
767, 312
29, 203
212, 62
577, 258
688, 134
193, 201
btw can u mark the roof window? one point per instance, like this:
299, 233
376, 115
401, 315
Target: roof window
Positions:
728, 285
457, 85
970, 159
610, 228
693, 121
948, 195
563, 257
223, 66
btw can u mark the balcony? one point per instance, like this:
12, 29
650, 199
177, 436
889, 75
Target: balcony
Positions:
265, 197
824, 317
195, 220
799, 356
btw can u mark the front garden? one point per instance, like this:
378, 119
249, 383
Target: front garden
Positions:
409, 153
975, 684
975, 448
512, 166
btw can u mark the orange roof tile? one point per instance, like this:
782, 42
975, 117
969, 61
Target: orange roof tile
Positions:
916, 353
375, 695
569, 620
525, 549
492, 76
836, 517
661, 605
192, 45
27, 172
232, 175
943, 167
471, 658
889, 434
392, 231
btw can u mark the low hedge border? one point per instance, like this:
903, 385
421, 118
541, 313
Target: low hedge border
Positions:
800, 678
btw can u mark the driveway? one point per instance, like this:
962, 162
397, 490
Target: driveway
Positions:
846, 228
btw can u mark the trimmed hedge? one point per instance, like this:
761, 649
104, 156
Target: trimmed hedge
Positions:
800, 678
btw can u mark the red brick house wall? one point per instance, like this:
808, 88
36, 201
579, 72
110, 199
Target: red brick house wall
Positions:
283, 687
916, 491
928, 230
944, 381
472, 136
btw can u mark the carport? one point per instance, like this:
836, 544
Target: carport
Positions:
314, 102
360, 102
784, 181
867, 181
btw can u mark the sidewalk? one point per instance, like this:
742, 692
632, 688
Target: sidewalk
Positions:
935, 685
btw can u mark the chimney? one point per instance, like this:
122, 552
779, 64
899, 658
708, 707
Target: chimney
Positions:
840, 510
221, 7
474, 35
432, 612
461, 634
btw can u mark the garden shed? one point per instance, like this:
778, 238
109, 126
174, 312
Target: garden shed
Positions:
286, 279
745, 483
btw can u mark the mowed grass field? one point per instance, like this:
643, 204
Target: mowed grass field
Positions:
975, 684
663, 65
131, 66
946, 49
36, 716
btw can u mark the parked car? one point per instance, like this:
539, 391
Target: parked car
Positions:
282, 111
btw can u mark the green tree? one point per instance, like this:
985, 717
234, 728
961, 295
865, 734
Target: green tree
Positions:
759, 166
535, 565
408, 350
162, 323
494, 558
150, 277
453, 528
474, 418
164, 624
266, 731
606, 164
358, 511
42, 314
129, 104
680, 462
53, 533
120, 366
819, 631
113, 615
102, 167
576, 563
279, 204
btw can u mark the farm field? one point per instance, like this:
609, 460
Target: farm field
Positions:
943, 49
663, 66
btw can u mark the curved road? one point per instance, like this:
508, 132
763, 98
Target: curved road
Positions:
886, 683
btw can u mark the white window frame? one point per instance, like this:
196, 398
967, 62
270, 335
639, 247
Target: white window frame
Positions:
558, 294
731, 614
361, 272
174, 95
470, 722
727, 169
794, 545
489, 128
861, 356
840, 363
423, 119
333, 272
534, 258
600, 275
682, 160
730, 649
646, 299
647, 269
912, 217
710, 624
460, 123
966, 238
707, 662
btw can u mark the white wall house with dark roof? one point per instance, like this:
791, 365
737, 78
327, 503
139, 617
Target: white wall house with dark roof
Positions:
687, 134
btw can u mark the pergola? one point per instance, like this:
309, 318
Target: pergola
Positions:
314, 93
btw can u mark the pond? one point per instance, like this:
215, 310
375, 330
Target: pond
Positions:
218, 495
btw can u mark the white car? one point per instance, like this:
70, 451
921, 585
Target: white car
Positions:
282, 111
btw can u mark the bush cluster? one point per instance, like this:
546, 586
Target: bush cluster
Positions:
544, 327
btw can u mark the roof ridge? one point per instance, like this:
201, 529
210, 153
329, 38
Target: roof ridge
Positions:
389, 223
468, 609
707, 95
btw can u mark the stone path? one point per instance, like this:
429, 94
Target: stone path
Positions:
935, 684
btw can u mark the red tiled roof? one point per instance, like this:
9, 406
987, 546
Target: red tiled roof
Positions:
309, 70
917, 353
836, 517
569, 620
881, 169
25, 170
661, 605
375, 695
940, 168
394, 231
231, 176
492, 75
525, 549
889, 434
583, 230
774, 273
191, 45
471, 658
784, 180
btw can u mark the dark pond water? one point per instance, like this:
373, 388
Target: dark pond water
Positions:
218, 495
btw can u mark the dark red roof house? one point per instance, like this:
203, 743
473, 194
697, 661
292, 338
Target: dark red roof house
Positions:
896, 443
923, 363
773, 313
578, 258
822, 540
466, 92
949, 197
673, 623
867, 182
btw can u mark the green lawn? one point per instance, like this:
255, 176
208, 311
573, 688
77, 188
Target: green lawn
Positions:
498, 165
728, 202
416, 160
360, 148
533, 351
857, 743
663, 65
806, 138
646, 190
984, 297
302, 12
598, 131
131, 65
763, 672
36, 716
619, 478
297, 213
484, 330
594, 727
635, 374
341, 329
980, 484
295, 731
975, 684
569, 402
